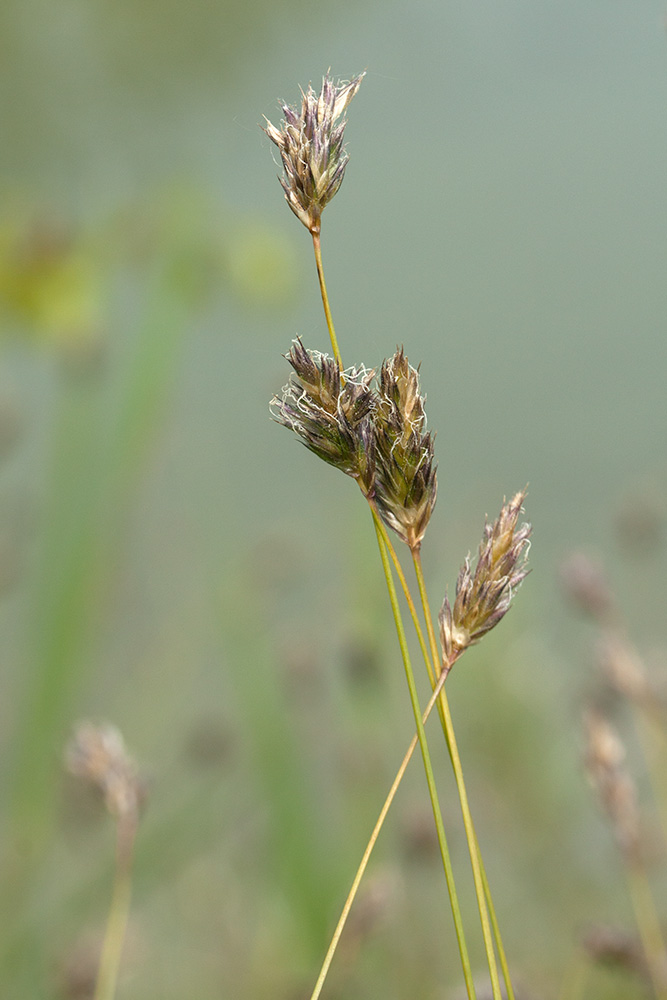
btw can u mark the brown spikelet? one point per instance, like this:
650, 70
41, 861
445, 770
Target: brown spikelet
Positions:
406, 482
484, 597
331, 412
311, 147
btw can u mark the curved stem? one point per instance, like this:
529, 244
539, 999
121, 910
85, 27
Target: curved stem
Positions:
325, 299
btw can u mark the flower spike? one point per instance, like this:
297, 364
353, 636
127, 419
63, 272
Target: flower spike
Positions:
332, 417
406, 484
311, 148
485, 597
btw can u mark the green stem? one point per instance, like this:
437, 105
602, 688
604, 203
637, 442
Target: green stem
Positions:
504, 965
119, 911
650, 732
428, 769
428, 617
648, 924
431, 667
406, 593
371, 844
325, 298
385, 546
482, 890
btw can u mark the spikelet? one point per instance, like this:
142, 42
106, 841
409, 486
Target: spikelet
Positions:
311, 147
406, 482
484, 597
330, 412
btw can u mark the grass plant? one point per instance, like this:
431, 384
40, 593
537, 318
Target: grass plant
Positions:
376, 433
274, 881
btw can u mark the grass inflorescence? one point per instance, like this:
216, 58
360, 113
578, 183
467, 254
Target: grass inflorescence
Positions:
374, 429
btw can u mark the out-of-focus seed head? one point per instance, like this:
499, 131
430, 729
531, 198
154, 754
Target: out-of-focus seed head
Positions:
311, 147
484, 597
406, 482
586, 586
331, 412
97, 754
624, 669
605, 765
615, 947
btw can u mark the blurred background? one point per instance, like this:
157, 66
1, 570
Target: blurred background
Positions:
173, 562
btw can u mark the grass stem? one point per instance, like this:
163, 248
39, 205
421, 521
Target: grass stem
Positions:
325, 299
371, 844
653, 743
119, 911
428, 769
433, 667
430, 667
482, 890
648, 924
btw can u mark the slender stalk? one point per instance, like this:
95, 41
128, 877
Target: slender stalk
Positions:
502, 957
119, 911
430, 668
428, 769
481, 883
325, 298
648, 924
428, 617
432, 665
384, 547
650, 733
371, 844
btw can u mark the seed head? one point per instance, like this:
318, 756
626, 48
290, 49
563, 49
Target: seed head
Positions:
615, 947
484, 597
406, 483
97, 754
330, 412
605, 764
625, 671
585, 584
311, 148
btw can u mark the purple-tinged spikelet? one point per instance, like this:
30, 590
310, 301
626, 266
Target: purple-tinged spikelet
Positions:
311, 148
331, 414
484, 597
406, 483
